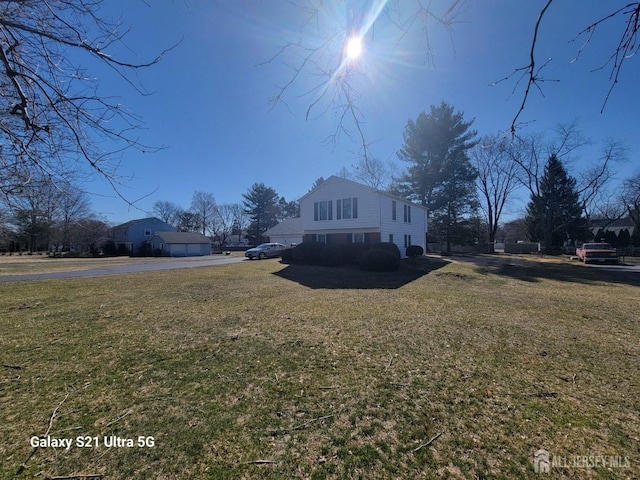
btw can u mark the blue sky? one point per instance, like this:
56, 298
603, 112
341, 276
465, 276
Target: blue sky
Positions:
210, 105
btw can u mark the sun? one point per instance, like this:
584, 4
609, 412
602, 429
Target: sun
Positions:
354, 47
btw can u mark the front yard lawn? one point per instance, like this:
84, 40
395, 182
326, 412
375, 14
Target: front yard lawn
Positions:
256, 370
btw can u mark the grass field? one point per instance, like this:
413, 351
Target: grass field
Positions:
262, 370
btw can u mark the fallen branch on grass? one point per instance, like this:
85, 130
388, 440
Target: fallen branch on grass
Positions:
80, 475
261, 462
428, 443
35, 449
302, 426
13, 367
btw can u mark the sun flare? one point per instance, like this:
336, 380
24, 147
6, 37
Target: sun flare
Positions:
354, 47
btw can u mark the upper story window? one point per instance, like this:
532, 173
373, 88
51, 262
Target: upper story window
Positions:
407, 213
393, 209
323, 210
147, 232
347, 208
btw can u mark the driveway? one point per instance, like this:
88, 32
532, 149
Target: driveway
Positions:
169, 264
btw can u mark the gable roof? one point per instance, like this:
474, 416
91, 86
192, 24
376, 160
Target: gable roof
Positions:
335, 179
134, 222
288, 226
181, 237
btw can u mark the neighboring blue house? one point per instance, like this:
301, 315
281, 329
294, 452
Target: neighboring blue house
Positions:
134, 233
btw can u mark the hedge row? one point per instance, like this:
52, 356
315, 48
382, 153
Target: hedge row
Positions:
382, 256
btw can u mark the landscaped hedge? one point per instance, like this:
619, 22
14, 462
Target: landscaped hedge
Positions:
287, 255
390, 246
308, 252
353, 252
414, 251
379, 260
332, 255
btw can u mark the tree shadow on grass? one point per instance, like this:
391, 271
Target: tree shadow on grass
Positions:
351, 277
535, 270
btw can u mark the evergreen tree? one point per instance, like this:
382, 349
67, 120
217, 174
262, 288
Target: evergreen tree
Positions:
554, 215
441, 176
624, 239
261, 204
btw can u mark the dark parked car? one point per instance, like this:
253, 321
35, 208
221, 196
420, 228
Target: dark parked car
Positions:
265, 250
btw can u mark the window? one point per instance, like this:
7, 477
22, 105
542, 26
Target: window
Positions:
391, 238
347, 208
323, 210
358, 238
321, 237
407, 240
147, 232
393, 209
407, 214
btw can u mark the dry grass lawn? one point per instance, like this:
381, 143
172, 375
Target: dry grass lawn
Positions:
262, 370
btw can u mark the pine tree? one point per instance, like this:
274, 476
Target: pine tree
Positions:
441, 176
261, 204
554, 215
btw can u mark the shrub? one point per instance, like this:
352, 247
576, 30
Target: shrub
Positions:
308, 252
287, 255
379, 260
390, 246
332, 255
353, 252
414, 251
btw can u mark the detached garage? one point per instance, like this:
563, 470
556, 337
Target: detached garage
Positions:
181, 244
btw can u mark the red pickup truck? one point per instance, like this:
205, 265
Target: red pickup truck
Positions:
597, 252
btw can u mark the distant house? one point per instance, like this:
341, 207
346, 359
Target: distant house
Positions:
597, 225
342, 211
287, 232
134, 233
180, 244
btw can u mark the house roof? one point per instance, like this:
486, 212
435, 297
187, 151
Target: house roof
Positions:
288, 226
617, 223
133, 222
335, 179
181, 237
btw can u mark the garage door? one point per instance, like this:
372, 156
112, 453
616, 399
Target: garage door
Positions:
194, 249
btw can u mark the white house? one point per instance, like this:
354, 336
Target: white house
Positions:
180, 244
342, 211
288, 232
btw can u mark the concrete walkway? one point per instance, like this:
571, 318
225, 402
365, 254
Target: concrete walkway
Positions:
121, 269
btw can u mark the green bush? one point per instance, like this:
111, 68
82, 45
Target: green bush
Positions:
353, 252
390, 246
332, 255
379, 260
287, 255
308, 252
414, 251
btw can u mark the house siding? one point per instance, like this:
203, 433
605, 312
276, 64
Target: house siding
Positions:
374, 220
133, 234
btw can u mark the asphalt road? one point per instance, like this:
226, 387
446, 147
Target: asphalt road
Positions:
120, 269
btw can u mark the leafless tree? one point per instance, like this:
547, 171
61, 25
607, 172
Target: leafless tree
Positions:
240, 220
375, 173
72, 207
167, 211
204, 205
88, 234
497, 179
225, 219
53, 117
